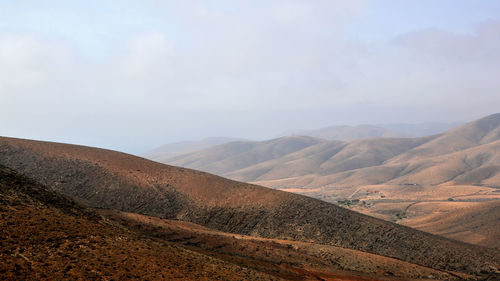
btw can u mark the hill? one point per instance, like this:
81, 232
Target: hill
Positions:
461, 156
382, 175
109, 179
47, 236
477, 223
232, 156
420, 129
350, 133
168, 151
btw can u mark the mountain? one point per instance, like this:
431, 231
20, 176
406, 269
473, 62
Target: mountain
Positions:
108, 179
420, 129
170, 150
258, 161
392, 130
45, 235
338, 157
384, 175
350, 133
464, 155
232, 156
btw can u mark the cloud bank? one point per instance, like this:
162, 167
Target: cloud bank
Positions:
245, 70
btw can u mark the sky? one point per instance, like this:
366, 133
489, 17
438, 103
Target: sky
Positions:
134, 75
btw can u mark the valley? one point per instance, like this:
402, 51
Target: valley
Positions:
403, 180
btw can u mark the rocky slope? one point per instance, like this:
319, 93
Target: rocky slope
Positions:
47, 236
110, 179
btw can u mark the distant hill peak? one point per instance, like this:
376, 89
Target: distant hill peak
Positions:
349, 133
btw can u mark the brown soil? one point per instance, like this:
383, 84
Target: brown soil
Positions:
120, 181
477, 223
44, 236
296, 260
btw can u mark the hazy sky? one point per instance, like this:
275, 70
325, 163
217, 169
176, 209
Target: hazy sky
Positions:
133, 75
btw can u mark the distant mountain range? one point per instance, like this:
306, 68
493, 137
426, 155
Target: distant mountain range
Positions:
420, 129
396, 130
465, 155
349, 133
343, 133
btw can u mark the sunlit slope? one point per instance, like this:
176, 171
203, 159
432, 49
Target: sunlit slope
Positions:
233, 156
478, 224
465, 155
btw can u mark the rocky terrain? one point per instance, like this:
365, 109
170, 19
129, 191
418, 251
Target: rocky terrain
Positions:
108, 179
46, 236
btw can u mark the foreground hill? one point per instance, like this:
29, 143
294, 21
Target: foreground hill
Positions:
120, 181
46, 236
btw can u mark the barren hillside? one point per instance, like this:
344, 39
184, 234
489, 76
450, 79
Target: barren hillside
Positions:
467, 154
478, 223
46, 236
110, 179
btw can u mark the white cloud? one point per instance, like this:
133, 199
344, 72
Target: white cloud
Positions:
247, 59
147, 55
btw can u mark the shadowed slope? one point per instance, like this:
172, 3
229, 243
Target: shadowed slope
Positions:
46, 236
116, 180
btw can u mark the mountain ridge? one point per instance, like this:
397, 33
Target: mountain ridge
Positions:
342, 161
